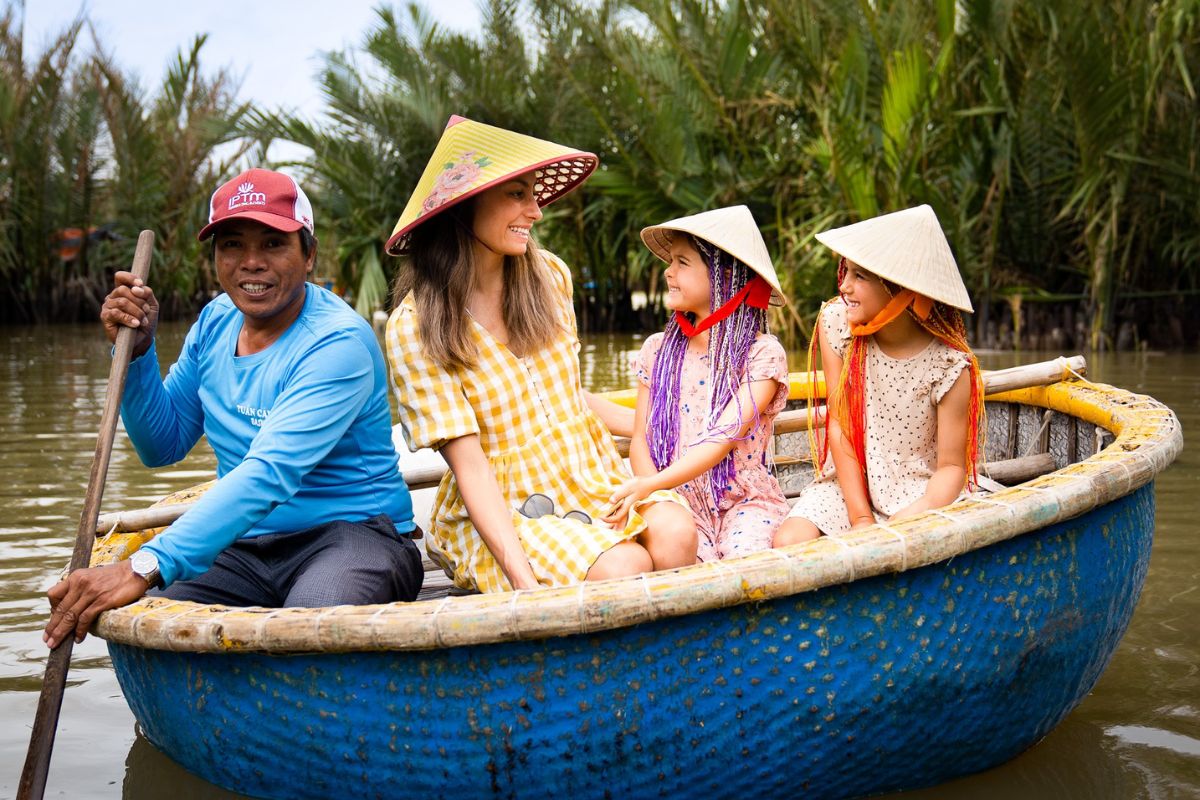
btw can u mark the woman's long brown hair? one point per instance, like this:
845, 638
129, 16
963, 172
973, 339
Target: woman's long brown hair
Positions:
440, 273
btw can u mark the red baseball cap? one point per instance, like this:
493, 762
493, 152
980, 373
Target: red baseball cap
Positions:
272, 198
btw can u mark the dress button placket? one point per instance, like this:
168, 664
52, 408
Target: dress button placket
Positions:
537, 387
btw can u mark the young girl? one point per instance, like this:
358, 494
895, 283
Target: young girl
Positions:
484, 359
905, 397
711, 384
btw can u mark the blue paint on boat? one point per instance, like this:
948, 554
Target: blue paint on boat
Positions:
885, 683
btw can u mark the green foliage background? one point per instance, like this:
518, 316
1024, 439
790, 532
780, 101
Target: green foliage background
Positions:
1056, 140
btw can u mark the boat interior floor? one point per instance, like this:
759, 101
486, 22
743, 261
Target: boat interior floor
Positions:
1022, 443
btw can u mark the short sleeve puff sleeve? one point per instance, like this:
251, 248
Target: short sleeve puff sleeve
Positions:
768, 361
948, 365
835, 330
643, 361
563, 292
433, 406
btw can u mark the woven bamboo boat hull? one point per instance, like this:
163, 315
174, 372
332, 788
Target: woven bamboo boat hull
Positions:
896, 658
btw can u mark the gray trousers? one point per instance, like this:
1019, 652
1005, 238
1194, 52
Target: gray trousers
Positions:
338, 563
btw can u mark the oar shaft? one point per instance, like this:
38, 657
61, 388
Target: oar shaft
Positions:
45, 722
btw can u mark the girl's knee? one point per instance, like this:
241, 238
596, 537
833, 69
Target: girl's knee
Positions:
671, 536
795, 530
621, 561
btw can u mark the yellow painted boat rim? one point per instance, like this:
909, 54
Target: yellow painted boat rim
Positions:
1148, 439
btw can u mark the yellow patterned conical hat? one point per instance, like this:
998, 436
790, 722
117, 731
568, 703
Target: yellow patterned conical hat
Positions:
907, 248
472, 157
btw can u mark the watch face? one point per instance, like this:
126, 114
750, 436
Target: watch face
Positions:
143, 562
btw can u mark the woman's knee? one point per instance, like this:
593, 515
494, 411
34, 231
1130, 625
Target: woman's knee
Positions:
795, 530
620, 561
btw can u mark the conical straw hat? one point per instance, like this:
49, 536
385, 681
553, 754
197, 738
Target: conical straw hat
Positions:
907, 248
471, 157
732, 229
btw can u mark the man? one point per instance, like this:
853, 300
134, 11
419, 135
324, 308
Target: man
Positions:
290, 388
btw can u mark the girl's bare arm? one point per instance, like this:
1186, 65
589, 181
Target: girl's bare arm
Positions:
951, 473
753, 400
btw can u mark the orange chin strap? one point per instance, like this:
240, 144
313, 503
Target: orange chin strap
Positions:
922, 306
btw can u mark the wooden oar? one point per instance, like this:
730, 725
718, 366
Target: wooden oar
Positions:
45, 722
1039, 374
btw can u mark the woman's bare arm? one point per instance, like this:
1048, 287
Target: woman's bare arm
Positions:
489, 513
616, 417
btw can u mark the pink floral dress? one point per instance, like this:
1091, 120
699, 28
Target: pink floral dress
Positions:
753, 506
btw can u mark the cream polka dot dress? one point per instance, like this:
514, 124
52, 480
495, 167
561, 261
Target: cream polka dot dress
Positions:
901, 426
538, 435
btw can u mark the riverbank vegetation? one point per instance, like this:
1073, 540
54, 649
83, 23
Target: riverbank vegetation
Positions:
1057, 141
88, 157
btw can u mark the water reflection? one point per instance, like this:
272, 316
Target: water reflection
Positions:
1136, 735
1071, 762
147, 771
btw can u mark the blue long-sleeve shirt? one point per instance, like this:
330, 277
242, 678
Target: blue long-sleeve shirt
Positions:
301, 430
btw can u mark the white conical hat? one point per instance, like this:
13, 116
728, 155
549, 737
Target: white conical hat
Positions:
907, 248
732, 229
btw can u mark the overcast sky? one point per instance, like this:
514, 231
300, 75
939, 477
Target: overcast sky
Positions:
274, 46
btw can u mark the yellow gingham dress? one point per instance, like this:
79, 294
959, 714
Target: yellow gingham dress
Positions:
537, 433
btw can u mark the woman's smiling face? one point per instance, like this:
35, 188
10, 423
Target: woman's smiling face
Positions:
505, 214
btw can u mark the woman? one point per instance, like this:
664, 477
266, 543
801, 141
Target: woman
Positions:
484, 356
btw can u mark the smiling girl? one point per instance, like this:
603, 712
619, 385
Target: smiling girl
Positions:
711, 384
484, 355
905, 397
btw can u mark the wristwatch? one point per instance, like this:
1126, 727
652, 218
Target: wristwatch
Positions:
145, 566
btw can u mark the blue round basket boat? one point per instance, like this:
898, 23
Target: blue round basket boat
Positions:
896, 657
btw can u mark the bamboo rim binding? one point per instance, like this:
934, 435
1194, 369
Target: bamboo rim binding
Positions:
1148, 438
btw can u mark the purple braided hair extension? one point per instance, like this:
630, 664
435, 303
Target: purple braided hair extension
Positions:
729, 344
662, 428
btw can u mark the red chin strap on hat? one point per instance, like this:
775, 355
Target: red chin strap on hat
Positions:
921, 304
756, 294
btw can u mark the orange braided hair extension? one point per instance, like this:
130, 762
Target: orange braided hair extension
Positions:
846, 402
818, 442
